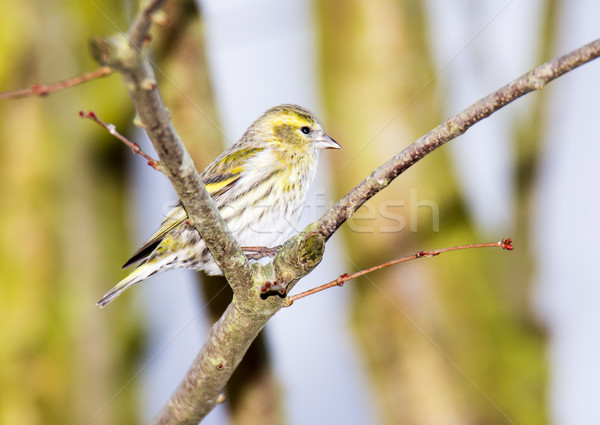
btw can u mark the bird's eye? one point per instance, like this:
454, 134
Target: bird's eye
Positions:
305, 130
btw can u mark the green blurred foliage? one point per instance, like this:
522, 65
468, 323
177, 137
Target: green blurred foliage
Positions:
62, 226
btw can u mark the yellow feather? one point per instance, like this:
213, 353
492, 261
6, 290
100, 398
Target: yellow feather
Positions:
213, 188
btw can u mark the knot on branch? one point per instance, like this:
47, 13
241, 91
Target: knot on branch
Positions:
298, 257
115, 52
540, 76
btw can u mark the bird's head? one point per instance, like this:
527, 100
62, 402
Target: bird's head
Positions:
294, 127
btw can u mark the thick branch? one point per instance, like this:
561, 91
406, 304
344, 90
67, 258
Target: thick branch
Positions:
231, 336
453, 127
127, 58
203, 383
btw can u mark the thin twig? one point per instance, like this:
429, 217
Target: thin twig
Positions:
135, 148
43, 90
504, 244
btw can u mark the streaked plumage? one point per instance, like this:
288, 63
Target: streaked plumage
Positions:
260, 185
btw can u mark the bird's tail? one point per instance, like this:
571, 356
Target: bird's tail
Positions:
143, 271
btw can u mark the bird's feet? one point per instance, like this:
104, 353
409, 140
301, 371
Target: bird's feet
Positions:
258, 252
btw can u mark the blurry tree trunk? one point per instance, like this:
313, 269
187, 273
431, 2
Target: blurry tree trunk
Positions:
61, 228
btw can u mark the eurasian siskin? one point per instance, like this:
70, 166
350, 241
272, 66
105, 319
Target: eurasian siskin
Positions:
259, 183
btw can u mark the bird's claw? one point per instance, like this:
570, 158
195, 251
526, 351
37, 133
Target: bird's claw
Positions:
258, 252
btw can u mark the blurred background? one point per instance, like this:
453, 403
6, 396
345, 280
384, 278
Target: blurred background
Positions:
470, 337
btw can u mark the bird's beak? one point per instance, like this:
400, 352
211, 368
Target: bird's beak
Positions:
327, 142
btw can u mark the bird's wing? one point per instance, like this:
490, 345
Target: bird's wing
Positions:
217, 185
225, 171
173, 218
219, 177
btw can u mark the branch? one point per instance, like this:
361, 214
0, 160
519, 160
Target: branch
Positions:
453, 127
135, 148
138, 33
504, 244
203, 384
230, 337
43, 90
125, 56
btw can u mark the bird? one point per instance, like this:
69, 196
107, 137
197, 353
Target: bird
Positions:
259, 184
